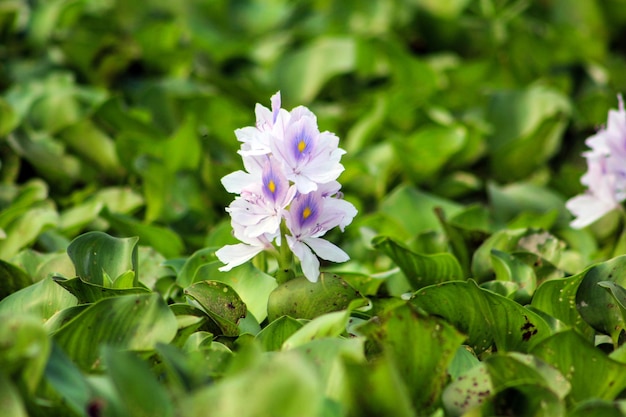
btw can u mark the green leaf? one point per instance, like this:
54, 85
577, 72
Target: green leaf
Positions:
87, 292
221, 303
327, 325
67, 380
12, 279
425, 153
302, 299
421, 270
10, 399
24, 349
305, 71
557, 297
251, 284
27, 227
591, 373
527, 127
274, 334
485, 317
42, 300
378, 389
596, 305
402, 204
95, 254
136, 385
290, 388
135, 322
468, 391
419, 345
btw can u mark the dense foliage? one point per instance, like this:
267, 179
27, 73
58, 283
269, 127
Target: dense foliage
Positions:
467, 291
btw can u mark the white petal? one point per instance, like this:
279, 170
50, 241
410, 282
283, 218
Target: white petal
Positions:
237, 181
587, 209
235, 255
309, 262
326, 250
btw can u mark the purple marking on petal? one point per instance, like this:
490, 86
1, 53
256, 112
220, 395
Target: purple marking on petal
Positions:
275, 106
272, 184
308, 210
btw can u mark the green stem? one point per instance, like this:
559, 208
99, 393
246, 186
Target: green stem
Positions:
285, 259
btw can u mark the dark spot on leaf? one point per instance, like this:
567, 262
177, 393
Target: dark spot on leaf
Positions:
95, 407
528, 330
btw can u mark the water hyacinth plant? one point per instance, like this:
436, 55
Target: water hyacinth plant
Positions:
154, 263
288, 197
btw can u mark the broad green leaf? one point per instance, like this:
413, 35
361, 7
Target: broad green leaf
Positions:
485, 317
96, 254
67, 380
598, 408
419, 345
378, 389
590, 372
44, 265
528, 126
135, 322
290, 388
421, 270
302, 299
557, 297
94, 146
251, 284
12, 279
512, 202
327, 325
596, 305
222, 304
329, 356
24, 349
425, 153
402, 204
136, 385
27, 227
42, 300
274, 334
305, 71
87, 292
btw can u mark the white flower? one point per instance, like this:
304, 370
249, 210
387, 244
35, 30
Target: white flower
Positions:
310, 217
605, 178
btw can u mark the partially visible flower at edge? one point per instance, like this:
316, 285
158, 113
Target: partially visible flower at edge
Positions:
605, 178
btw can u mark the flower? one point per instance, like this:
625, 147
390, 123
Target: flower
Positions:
605, 178
288, 193
310, 217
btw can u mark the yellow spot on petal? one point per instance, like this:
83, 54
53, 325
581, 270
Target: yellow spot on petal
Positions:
271, 186
301, 146
306, 212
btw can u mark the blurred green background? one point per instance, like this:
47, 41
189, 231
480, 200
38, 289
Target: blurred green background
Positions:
119, 116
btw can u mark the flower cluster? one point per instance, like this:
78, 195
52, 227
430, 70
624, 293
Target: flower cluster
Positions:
288, 193
605, 178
